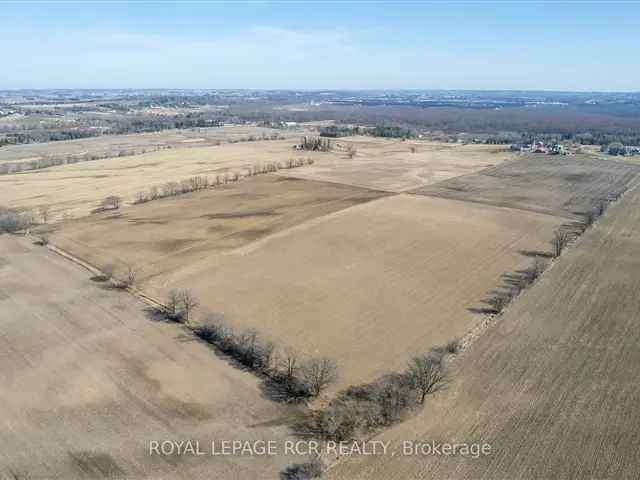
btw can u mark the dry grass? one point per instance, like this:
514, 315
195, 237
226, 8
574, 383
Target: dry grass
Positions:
387, 164
77, 189
380, 164
553, 387
113, 144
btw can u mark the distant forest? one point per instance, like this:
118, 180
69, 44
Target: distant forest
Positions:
590, 119
503, 126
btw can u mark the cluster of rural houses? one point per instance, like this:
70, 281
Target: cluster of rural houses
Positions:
540, 147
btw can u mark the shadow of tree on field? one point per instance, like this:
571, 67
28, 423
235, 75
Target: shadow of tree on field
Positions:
535, 253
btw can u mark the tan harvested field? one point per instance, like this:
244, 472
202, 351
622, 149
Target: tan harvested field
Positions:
165, 235
113, 144
88, 381
559, 185
380, 164
77, 189
367, 286
389, 164
553, 386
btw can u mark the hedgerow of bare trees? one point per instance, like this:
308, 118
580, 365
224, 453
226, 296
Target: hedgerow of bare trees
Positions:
70, 159
318, 374
304, 471
44, 211
314, 144
526, 278
180, 305
295, 378
131, 276
112, 202
561, 239
173, 304
188, 303
51, 161
201, 182
360, 410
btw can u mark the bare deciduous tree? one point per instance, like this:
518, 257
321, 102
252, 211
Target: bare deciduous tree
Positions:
45, 213
268, 357
538, 267
188, 302
248, 346
589, 217
427, 373
112, 202
141, 197
601, 207
132, 276
173, 304
290, 362
498, 301
560, 240
318, 374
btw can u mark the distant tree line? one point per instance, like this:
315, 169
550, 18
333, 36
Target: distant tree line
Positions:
582, 126
385, 131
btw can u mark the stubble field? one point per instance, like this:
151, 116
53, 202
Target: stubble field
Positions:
553, 386
88, 380
163, 236
368, 285
75, 190
111, 145
397, 165
559, 185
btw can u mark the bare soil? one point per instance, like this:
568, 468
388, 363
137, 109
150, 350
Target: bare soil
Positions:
162, 236
553, 386
371, 285
560, 185
89, 379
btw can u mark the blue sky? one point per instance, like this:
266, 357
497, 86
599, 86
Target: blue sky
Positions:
321, 45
